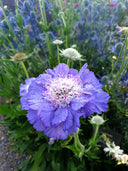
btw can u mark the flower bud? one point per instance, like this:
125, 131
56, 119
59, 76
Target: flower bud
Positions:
97, 120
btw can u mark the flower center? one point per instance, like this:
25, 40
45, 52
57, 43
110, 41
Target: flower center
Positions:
61, 91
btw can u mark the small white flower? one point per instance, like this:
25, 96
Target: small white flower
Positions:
113, 150
124, 158
114, 57
97, 120
57, 42
73, 46
71, 53
5, 7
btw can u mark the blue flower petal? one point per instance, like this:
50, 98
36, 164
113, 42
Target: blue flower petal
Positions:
46, 117
88, 77
35, 101
68, 122
56, 132
60, 115
32, 116
73, 72
78, 102
24, 102
61, 69
38, 125
83, 69
50, 72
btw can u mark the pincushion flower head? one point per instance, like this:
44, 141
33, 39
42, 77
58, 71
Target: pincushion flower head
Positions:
71, 53
57, 99
97, 120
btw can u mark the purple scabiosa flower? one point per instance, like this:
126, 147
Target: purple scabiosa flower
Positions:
57, 99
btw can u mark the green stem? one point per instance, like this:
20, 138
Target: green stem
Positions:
66, 37
92, 13
80, 64
123, 67
89, 148
80, 147
68, 62
58, 56
24, 68
120, 55
42, 15
96, 132
60, 3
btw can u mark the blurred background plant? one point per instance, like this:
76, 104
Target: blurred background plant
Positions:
26, 41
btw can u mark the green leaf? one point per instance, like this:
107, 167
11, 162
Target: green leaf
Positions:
19, 20
38, 157
4, 110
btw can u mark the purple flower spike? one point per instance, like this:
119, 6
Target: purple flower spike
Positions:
56, 100
1, 13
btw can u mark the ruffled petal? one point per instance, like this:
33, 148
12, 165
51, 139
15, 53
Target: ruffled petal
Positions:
88, 77
29, 80
73, 72
60, 115
90, 108
50, 72
56, 132
35, 101
78, 102
42, 79
83, 69
61, 69
24, 102
68, 122
32, 116
24, 87
38, 125
46, 117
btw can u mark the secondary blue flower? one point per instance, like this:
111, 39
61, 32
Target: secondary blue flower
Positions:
57, 99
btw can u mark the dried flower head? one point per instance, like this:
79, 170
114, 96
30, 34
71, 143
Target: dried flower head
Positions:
71, 53
19, 56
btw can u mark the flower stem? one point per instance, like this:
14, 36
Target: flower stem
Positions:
92, 13
58, 56
80, 147
68, 62
96, 132
24, 68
